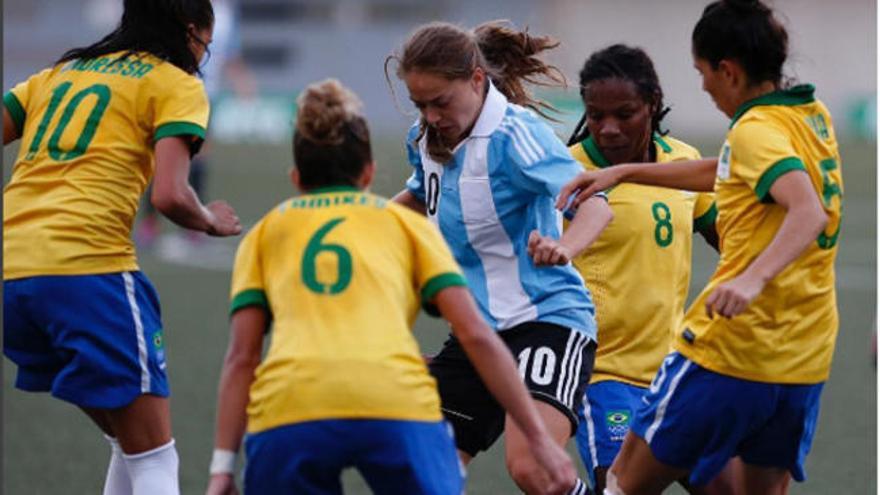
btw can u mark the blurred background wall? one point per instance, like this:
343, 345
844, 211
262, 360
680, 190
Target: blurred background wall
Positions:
289, 43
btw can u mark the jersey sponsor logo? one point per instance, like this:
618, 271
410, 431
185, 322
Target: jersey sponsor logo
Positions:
617, 423
723, 170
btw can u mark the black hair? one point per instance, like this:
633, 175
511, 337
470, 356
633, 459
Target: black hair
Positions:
159, 27
629, 64
745, 31
331, 143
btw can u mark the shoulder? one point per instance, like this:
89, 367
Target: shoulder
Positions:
167, 77
678, 149
413, 134
580, 155
755, 126
525, 135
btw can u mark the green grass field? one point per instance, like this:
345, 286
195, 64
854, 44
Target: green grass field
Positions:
51, 448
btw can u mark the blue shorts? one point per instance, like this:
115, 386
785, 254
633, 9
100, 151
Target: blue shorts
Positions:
697, 420
604, 420
92, 340
394, 457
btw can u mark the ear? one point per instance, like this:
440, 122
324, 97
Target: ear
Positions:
294, 178
732, 73
367, 174
478, 78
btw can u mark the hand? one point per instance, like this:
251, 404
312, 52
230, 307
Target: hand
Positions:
546, 251
222, 220
557, 464
733, 297
221, 484
587, 184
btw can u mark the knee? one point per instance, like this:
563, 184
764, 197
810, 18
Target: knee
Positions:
611, 485
526, 474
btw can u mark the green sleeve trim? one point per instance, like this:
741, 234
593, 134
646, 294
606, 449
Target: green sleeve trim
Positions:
777, 170
250, 297
440, 282
706, 220
179, 129
16, 111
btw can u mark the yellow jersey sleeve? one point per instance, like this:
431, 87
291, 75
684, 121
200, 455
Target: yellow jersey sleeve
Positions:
762, 153
248, 286
434, 268
20, 98
705, 212
181, 108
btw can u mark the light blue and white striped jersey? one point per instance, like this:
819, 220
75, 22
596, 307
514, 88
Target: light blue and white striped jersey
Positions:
499, 186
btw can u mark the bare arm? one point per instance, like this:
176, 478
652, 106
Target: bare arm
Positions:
692, 175
804, 220
10, 131
590, 220
495, 365
176, 199
242, 358
408, 199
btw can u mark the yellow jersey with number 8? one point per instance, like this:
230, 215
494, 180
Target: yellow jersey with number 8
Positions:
639, 268
787, 334
87, 130
342, 274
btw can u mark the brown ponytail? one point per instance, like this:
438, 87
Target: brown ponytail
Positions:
512, 58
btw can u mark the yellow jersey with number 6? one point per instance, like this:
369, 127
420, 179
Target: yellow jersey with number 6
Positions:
639, 268
787, 334
342, 273
87, 130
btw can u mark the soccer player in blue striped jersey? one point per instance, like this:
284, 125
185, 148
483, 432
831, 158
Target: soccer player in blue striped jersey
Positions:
486, 172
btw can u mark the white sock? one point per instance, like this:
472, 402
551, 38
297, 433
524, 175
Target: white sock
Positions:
154, 472
580, 488
118, 482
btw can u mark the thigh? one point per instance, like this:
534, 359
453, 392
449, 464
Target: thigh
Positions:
105, 336
604, 420
694, 419
412, 457
784, 441
476, 417
304, 458
25, 343
637, 471
555, 363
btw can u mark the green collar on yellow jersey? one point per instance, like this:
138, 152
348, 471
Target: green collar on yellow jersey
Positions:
797, 95
332, 189
592, 149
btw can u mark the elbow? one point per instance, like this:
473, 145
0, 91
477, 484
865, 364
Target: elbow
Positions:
242, 360
609, 215
166, 201
820, 221
603, 211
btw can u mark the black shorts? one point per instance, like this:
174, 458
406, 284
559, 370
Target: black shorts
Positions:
555, 363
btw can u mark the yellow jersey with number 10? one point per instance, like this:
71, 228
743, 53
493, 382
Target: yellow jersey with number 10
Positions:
787, 334
638, 270
87, 130
342, 273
